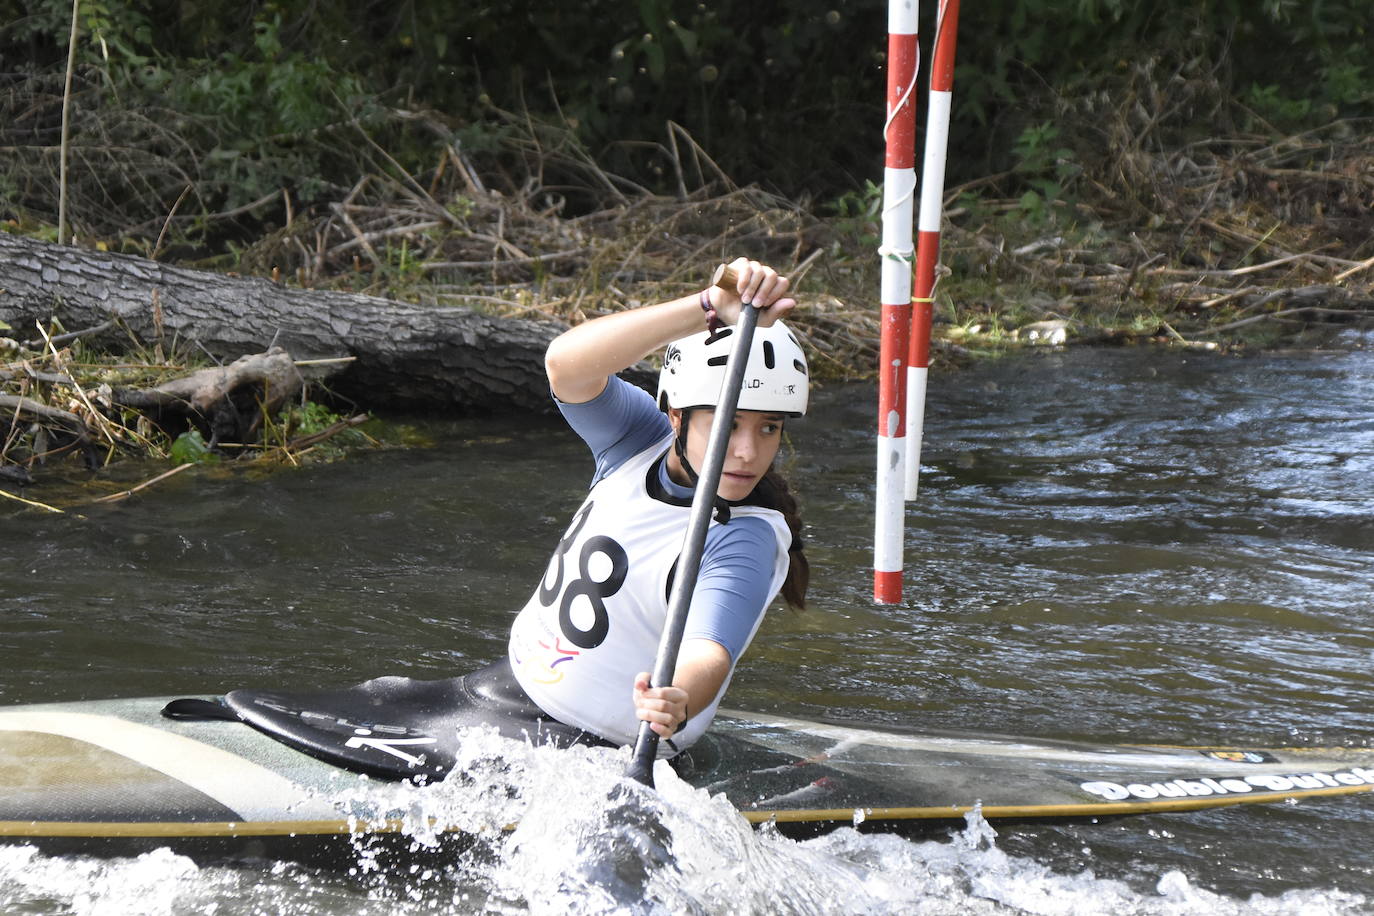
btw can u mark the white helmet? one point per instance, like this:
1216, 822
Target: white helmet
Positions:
775, 378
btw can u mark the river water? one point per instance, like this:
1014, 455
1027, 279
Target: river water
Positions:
1135, 545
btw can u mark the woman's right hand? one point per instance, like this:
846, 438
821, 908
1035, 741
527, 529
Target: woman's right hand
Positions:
755, 283
664, 708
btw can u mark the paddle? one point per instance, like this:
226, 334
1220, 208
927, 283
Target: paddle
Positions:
703, 503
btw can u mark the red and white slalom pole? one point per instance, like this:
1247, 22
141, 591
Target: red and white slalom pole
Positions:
899, 191
928, 250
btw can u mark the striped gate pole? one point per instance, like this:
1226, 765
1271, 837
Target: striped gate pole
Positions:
928, 250
899, 190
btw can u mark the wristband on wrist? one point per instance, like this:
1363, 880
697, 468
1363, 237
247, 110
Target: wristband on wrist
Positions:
713, 322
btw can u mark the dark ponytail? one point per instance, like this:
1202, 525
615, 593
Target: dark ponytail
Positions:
772, 492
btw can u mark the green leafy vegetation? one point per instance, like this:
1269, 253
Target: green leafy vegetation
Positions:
1045, 167
191, 448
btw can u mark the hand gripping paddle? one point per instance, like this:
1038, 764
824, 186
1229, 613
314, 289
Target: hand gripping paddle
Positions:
703, 503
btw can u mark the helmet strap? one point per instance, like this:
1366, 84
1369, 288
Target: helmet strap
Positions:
680, 447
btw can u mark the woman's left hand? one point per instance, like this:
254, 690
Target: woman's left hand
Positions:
664, 708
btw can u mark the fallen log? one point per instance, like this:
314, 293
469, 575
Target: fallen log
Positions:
432, 358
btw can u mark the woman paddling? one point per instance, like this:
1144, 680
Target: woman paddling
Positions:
584, 642
579, 650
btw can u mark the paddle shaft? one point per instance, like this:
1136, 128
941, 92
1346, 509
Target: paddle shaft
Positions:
703, 503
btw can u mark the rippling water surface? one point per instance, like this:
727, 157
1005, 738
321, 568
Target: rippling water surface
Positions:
1131, 546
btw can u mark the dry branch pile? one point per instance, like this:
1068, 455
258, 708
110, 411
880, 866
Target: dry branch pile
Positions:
1216, 238
1250, 221
1201, 241
55, 405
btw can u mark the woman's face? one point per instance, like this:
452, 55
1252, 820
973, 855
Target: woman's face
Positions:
754, 442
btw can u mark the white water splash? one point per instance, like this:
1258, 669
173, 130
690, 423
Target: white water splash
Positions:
588, 842
145, 886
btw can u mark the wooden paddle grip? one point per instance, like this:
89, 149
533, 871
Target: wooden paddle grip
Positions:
725, 277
